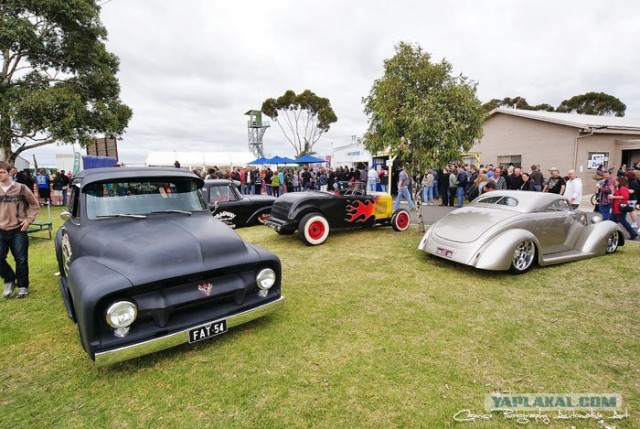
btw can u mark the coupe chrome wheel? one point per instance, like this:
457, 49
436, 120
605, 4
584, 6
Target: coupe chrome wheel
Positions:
612, 242
523, 257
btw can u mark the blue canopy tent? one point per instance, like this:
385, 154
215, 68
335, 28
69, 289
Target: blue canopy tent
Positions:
309, 159
280, 160
260, 161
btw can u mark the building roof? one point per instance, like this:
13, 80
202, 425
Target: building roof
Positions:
588, 123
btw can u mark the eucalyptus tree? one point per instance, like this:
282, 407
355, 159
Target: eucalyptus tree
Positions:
303, 118
57, 81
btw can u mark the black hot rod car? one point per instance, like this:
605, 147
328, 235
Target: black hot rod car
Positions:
315, 213
230, 206
144, 266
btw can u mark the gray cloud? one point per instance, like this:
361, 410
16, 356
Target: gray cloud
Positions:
191, 69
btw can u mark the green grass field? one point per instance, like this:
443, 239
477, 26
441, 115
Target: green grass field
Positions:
374, 334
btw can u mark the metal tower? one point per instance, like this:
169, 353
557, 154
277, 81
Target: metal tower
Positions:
256, 128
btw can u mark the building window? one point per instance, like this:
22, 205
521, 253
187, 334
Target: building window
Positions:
505, 160
596, 159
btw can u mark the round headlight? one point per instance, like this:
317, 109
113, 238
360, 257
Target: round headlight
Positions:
266, 278
122, 314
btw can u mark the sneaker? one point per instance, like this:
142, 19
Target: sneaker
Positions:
22, 292
8, 290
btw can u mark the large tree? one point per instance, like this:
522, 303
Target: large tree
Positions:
57, 81
515, 103
303, 118
593, 103
419, 111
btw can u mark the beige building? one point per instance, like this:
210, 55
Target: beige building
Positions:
563, 140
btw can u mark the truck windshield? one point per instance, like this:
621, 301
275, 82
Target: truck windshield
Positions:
141, 197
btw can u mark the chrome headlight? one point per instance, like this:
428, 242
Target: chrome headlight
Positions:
266, 279
120, 316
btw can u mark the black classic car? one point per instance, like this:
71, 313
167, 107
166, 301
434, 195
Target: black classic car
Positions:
315, 213
230, 206
144, 266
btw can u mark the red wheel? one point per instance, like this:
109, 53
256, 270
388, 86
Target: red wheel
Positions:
262, 218
314, 229
401, 220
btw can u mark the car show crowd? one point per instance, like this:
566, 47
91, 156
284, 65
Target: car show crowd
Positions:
454, 184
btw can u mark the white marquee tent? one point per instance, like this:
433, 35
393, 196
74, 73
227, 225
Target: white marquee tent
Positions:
199, 159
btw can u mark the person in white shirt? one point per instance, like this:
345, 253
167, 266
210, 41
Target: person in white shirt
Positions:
372, 180
573, 190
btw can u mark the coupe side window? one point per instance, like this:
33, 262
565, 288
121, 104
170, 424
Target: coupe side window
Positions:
500, 200
221, 194
559, 206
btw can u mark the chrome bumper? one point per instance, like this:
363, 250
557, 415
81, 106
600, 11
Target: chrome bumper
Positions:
157, 344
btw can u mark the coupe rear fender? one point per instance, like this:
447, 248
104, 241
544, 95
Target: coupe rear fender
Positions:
497, 253
593, 240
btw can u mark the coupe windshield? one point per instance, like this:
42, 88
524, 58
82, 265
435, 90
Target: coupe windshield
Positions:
142, 197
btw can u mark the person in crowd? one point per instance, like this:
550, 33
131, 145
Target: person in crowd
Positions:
323, 180
44, 186
477, 186
463, 179
606, 189
257, 182
65, 186
499, 178
275, 184
573, 189
527, 183
18, 209
537, 178
176, 164
555, 184
490, 186
404, 181
306, 178
453, 185
383, 177
515, 179
427, 188
295, 180
372, 179
444, 186
633, 183
621, 196
57, 185
268, 178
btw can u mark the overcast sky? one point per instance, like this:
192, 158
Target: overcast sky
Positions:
190, 69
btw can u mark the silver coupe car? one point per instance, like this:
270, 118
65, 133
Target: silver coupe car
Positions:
511, 230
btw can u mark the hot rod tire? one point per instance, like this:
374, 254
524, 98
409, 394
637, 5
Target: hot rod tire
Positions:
314, 229
523, 257
612, 242
401, 220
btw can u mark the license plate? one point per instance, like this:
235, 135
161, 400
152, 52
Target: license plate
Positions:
207, 331
444, 252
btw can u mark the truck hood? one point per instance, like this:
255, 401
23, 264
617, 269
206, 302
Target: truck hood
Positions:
164, 247
467, 224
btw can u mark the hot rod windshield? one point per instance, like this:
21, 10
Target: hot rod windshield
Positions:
142, 197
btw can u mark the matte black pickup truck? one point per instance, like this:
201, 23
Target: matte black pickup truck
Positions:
144, 266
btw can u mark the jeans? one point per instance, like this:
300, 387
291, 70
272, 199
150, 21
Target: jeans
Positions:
268, 189
383, 187
371, 186
460, 196
404, 191
435, 189
427, 194
605, 211
64, 196
18, 242
622, 220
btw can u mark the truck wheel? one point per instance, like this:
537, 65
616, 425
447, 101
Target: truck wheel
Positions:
314, 229
401, 220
